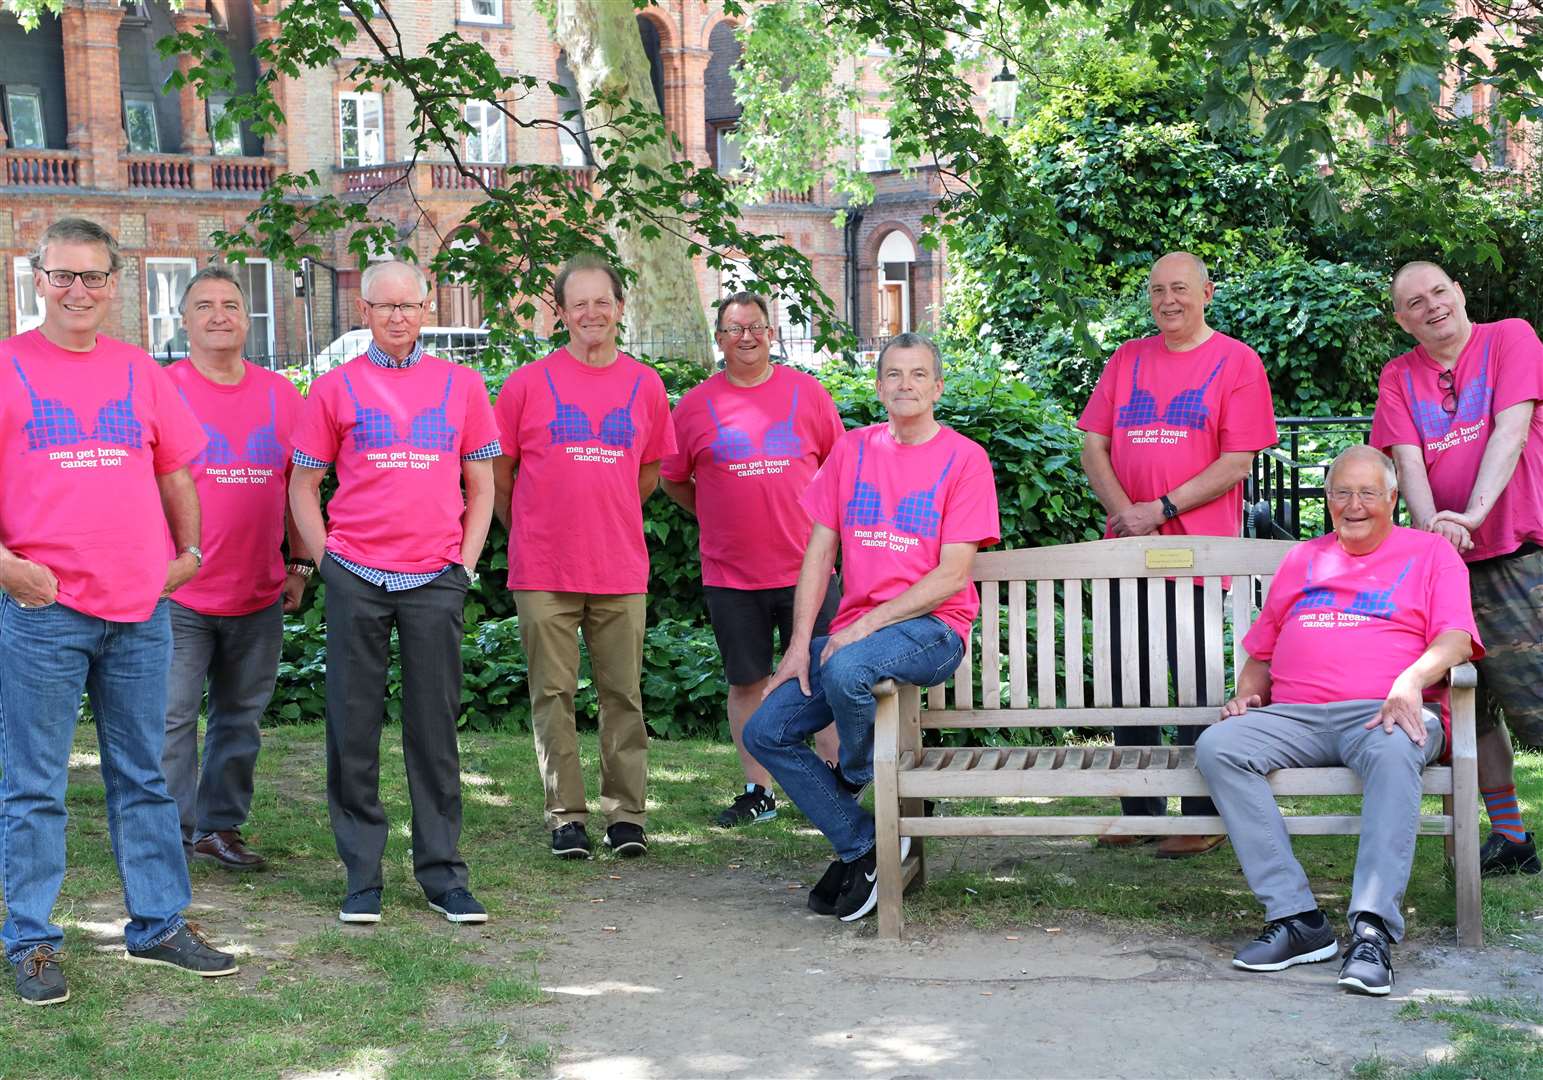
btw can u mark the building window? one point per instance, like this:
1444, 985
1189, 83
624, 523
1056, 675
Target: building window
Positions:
29, 305
228, 142
484, 11
875, 144
165, 282
486, 145
256, 277
1462, 96
729, 158
896, 255
24, 117
361, 129
139, 123
1499, 137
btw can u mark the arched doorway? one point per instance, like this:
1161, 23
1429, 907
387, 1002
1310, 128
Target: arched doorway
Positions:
896, 256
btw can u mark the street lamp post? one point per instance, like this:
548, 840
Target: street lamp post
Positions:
1004, 95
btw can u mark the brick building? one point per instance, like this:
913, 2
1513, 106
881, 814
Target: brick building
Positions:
89, 130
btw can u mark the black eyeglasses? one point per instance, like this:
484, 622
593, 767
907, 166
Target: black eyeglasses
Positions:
91, 279
1449, 400
408, 310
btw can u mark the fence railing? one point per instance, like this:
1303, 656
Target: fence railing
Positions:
1284, 497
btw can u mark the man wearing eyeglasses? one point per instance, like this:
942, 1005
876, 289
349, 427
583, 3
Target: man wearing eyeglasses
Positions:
1171, 431
96, 445
748, 442
407, 431
1459, 414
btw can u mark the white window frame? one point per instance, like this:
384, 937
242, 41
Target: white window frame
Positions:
469, 12
165, 282
873, 133
34, 97
29, 305
131, 101
259, 335
732, 161
488, 121
369, 151
231, 146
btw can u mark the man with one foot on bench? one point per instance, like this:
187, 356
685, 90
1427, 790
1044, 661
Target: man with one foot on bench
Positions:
1344, 667
907, 503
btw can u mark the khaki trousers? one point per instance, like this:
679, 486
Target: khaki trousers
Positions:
613, 631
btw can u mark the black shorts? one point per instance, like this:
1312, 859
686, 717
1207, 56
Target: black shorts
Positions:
743, 621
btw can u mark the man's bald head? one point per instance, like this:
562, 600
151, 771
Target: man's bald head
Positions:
1179, 288
1420, 267
1181, 260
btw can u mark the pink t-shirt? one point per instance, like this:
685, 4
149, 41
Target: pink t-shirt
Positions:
1342, 627
895, 506
1501, 366
579, 435
753, 450
83, 437
1169, 415
242, 479
397, 436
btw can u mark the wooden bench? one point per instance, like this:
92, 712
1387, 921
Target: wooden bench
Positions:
1044, 687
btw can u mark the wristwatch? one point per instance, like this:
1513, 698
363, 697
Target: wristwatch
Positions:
304, 567
198, 556
1169, 510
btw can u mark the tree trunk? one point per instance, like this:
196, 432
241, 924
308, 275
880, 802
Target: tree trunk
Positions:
664, 315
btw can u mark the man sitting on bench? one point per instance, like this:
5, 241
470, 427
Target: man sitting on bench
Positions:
1344, 662
907, 503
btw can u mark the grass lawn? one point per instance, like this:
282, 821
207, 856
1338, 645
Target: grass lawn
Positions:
417, 997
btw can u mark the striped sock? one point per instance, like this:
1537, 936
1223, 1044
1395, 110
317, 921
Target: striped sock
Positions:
1505, 817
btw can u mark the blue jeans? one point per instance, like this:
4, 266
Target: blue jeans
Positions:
923, 651
48, 657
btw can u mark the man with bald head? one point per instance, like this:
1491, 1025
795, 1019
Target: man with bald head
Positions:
1170, 432
1459, 414
407, 432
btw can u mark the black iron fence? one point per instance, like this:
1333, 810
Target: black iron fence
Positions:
1284, 497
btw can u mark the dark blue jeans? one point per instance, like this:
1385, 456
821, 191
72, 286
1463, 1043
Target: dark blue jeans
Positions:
923, 651
48, 657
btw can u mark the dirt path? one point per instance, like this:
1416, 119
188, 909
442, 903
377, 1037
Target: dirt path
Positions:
728, 974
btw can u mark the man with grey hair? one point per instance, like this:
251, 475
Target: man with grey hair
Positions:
1460, 414
96, 445
413, 438
906, 504
228, 622
1171, 430
1345, 667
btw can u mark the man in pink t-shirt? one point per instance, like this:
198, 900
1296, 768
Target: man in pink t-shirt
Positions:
584, 430
1171, 431
906, 504
1459, 413
98, 525
407, 432
748, 442
1344, 664
228, 622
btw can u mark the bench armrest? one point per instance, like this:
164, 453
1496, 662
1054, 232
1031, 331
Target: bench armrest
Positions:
885, 687
1464, 675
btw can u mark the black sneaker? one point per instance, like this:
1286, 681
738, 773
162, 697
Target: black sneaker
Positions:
459, 906
856, 790
823, 897
361, 907
1285, 942
570, 841
860, 893
1368, 966
626, 839
754, 804
189, 950
1500, 855
40, 979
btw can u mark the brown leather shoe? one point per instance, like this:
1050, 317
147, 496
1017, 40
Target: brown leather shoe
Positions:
1123, 841
226, 848
1182, 847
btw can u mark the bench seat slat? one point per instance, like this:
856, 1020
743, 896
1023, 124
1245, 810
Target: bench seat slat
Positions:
1173, 825
1107, 717
1100, 780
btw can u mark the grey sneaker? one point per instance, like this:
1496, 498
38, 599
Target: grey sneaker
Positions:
189, 950
1286, 942
1368, 966
40, 979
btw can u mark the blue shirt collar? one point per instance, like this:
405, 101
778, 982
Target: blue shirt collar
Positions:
381, 358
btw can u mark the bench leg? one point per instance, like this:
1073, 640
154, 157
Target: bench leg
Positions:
1465, 818
886, 814
916, 808
1450, 839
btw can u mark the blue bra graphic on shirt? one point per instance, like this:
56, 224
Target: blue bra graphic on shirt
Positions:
430, 429
916, 514
734, 444
1376, 603
1472, 404
54, 423
570, 424
262, 445
1187, 409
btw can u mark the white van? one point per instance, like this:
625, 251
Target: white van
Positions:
462, 344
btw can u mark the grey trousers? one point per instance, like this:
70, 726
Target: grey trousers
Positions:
237, 657
1235, 755
428, 622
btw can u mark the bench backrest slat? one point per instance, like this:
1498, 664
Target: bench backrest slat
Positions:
1072, 609
990, 647
1044, 625
1157, 643
1103, 694
1017, 644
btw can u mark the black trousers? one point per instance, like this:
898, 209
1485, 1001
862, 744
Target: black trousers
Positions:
428, 622
1178, 592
